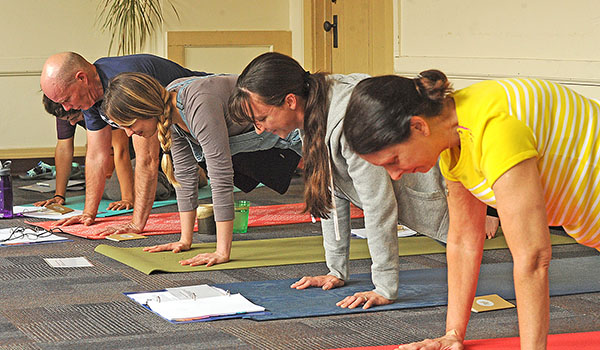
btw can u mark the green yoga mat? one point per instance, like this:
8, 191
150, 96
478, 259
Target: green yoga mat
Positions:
274, 252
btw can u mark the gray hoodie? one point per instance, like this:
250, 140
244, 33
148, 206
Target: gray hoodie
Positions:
416, 200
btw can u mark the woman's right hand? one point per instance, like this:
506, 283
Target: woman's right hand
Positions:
324, 281
450, 341
175, 247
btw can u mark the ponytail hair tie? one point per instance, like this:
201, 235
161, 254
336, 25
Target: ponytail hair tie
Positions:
167, 152
306, 81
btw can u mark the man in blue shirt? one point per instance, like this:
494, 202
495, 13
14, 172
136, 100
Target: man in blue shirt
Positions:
70, 80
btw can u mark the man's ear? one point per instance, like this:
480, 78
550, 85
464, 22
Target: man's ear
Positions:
419, 125
81, 75
291, 101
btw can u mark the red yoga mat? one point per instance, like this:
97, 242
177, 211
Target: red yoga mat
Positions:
157, 224
283, 214
567, 341
165, 223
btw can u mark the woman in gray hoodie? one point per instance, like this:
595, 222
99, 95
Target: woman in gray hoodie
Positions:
277, 95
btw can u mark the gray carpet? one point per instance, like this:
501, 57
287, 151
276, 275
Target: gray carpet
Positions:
46, 308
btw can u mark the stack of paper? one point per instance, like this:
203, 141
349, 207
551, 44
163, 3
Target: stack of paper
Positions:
192, 303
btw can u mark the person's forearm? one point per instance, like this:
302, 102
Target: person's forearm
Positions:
146, 173
63, 157
463, 272
531, 288
95, 179
466, 235
188, 219
224, 237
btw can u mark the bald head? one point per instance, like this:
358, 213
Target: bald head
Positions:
67, 78
62, 67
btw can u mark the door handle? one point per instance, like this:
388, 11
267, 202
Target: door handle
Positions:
329, 26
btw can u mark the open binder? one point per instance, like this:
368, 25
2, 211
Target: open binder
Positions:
196, 303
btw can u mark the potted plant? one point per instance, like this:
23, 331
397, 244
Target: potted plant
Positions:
130, 22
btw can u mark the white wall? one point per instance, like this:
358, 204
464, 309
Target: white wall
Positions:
31, 30
471, 40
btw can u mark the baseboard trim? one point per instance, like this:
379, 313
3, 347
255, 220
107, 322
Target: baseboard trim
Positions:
42, 152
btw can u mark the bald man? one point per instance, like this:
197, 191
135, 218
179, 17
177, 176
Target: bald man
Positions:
70, 80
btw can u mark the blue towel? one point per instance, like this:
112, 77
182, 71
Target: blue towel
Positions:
418, 288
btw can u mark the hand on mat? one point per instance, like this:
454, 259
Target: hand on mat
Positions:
120, 205
84, 218
326, 282
367, 298
491, 226
175, 247
450, 341
47, 202
209, 259
129, 227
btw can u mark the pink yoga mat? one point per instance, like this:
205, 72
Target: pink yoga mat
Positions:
269, 215
567, 341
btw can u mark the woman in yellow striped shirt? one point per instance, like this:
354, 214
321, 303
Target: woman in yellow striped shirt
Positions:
527, 147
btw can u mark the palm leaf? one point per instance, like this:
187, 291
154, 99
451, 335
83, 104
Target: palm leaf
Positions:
130, 22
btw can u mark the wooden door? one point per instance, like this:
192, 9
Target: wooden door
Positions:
364, 36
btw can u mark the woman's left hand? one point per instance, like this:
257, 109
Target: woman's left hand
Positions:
367, 298
209, 259
120, 205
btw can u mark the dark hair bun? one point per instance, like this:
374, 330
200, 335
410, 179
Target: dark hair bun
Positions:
433, 85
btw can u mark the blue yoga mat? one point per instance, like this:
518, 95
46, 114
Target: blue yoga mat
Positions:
418, 288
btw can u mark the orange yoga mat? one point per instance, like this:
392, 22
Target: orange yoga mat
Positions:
566, 341
157, 224
283, 214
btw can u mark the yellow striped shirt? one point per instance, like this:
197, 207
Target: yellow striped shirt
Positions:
502, 123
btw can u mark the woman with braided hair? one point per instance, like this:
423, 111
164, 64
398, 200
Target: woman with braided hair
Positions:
277, 95
194, 129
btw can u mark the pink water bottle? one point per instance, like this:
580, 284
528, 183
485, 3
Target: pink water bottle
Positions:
6, 193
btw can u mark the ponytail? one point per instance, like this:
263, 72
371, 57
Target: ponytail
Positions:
315, 152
